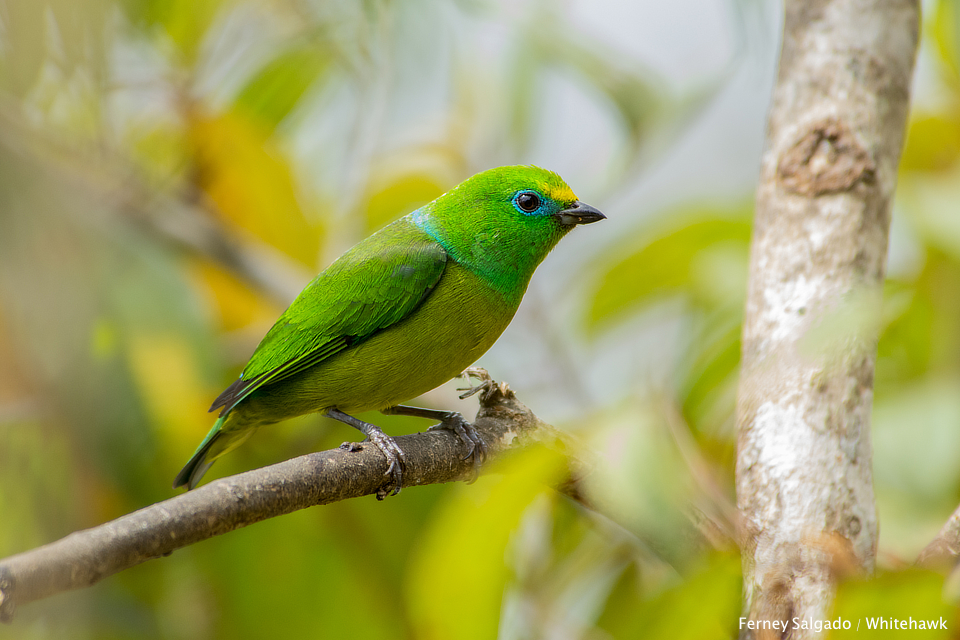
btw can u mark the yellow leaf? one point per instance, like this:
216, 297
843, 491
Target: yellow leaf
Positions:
386, 203
246, 175
167, 375
933, 143
239, 306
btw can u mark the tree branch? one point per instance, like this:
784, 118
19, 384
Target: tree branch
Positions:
85, 557
184, 227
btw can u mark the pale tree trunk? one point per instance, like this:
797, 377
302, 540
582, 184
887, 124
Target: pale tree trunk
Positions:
835, 131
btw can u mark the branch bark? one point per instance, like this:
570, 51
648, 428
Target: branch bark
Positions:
835, 131
85, 557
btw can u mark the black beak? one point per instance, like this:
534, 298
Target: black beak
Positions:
579, 213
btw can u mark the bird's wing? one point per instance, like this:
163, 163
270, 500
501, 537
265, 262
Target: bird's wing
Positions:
374, 285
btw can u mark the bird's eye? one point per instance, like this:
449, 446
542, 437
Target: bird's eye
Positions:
529, 202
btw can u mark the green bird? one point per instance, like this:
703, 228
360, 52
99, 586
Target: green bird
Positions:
400, 313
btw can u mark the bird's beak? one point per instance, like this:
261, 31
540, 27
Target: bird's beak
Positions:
579, 213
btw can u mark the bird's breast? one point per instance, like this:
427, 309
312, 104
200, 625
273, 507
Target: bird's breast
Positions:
455, 325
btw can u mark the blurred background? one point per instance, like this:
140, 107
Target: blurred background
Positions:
172, 172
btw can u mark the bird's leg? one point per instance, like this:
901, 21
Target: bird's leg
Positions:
450, 421
395, 458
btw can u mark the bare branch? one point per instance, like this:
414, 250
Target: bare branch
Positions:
85, 557
186, 228
945, 548
817, 264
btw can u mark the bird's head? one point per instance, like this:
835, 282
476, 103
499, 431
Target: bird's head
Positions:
520, 195
502, 222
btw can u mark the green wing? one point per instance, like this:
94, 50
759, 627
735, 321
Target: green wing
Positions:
375, 284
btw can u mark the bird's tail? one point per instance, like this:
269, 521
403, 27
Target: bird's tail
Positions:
198, 465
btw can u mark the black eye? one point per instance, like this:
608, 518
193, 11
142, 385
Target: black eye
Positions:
529, 202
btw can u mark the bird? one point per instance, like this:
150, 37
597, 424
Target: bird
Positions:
400, 313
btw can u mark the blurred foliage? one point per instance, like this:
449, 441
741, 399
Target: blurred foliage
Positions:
700, 253
278, 87
704, 606
471, 532
132, 130
251, 184
903, 596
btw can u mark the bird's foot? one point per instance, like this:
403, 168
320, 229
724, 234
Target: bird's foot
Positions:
395, 468
469, 436
396, 463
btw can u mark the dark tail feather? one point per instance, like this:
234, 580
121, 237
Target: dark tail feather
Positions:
192, 472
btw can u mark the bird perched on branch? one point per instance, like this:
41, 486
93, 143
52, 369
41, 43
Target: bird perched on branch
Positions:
400, 313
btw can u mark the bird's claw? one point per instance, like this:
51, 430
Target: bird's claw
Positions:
469, 436
396, 461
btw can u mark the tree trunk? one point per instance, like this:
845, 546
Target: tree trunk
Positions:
835, 131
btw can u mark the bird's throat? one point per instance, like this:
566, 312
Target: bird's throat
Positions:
505, 258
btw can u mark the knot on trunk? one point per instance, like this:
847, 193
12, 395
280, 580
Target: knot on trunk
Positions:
827, 158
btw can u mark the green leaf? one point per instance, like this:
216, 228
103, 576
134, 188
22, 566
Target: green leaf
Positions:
946, 36
705, 606
892, 596
185, 22
278, 87
915, 439
458, 572
704, 258
640, 476
931, 205
925, 335
708, 388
